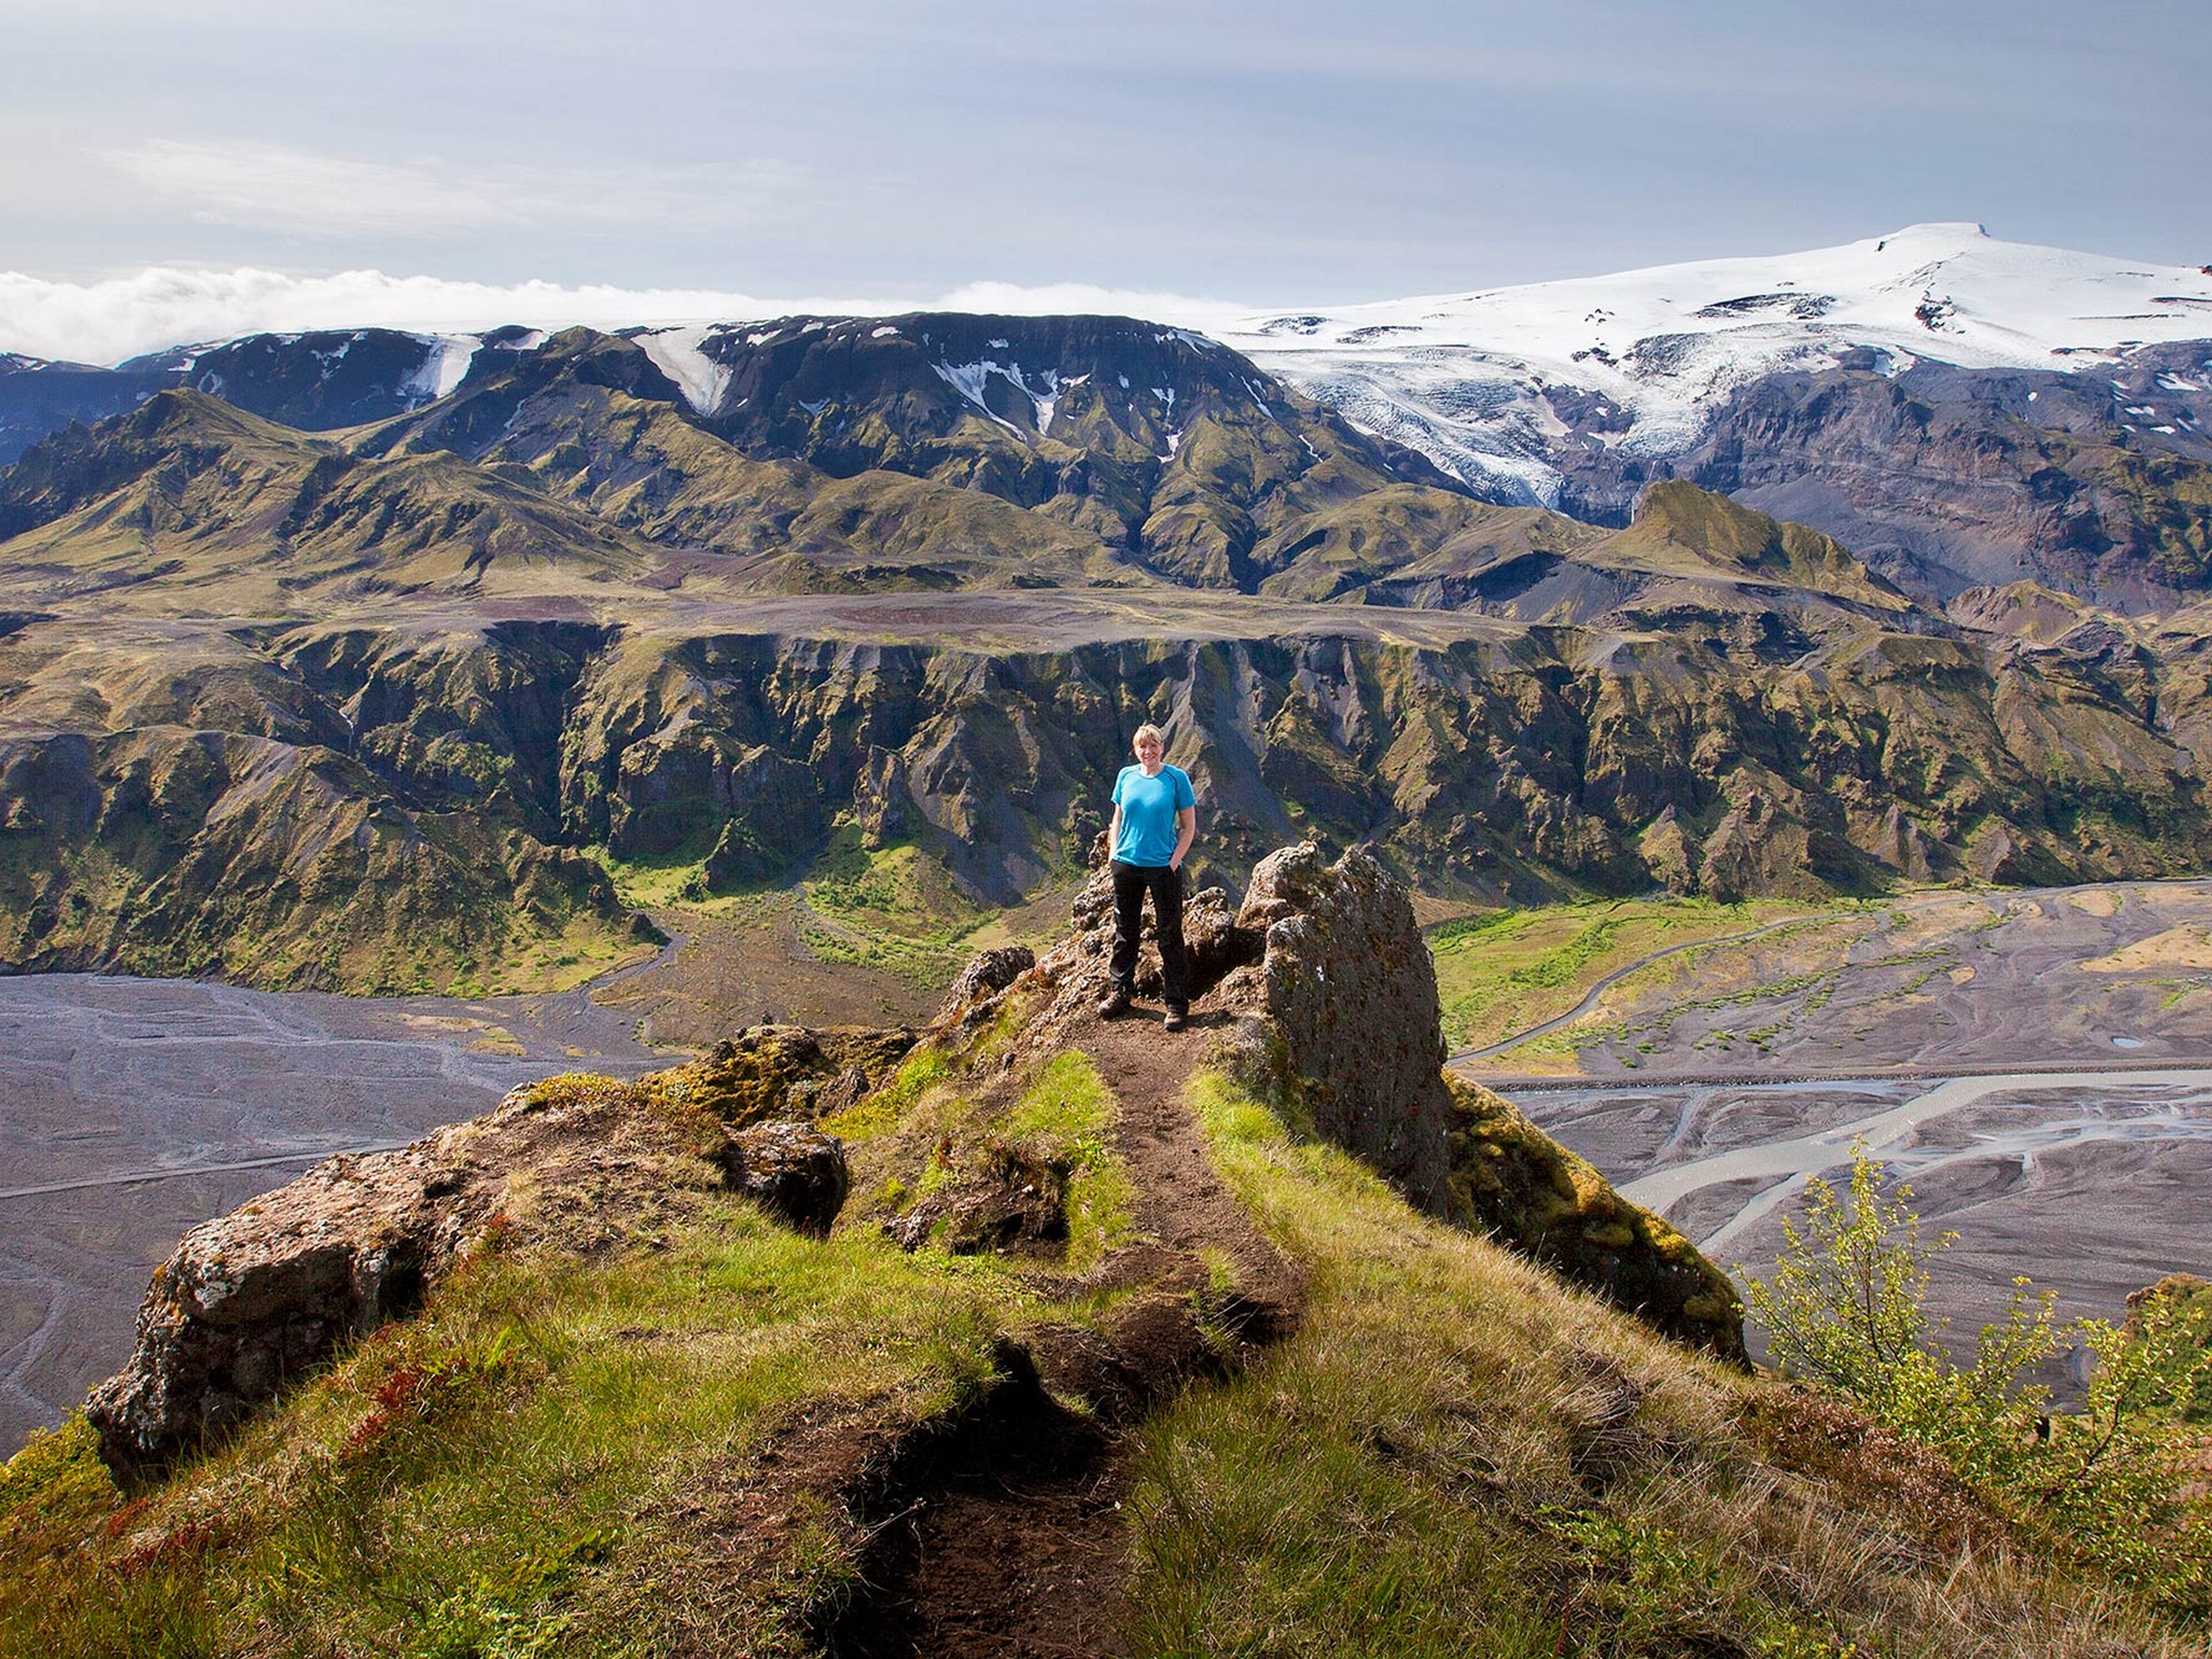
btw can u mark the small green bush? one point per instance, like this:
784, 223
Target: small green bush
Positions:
1845, 1310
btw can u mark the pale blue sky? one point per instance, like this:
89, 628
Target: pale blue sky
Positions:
1292, 152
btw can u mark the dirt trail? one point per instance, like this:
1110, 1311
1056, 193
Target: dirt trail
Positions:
1181, 1201
1021, 1547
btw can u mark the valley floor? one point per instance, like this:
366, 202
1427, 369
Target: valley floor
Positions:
2037, 1064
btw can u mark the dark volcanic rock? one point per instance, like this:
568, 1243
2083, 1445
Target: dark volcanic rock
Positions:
793, 1170
1346, 979
991, 972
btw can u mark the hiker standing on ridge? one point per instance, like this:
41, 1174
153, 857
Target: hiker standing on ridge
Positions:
1155, 820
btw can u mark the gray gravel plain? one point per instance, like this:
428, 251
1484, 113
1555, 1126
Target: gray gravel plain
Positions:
127, 1105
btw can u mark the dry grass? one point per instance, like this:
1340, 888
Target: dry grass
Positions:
1459, 1455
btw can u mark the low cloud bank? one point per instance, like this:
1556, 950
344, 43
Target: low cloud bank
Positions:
122, 317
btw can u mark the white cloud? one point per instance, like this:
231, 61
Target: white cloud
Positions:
270, 186
125, 316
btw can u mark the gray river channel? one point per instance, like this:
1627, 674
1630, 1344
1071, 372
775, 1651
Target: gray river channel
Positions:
131, 1110
2091, 1182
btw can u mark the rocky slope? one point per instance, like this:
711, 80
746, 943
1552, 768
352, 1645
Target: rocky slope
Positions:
1945, 478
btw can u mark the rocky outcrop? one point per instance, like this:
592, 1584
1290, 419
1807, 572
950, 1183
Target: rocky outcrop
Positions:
1345, 982
782, 1071
1329, 996
989, 972
793, 1170
252, 1301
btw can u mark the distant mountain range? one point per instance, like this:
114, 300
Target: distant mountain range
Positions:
354, 658
1960, 409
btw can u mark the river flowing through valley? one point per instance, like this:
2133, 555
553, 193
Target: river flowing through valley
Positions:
131, 1110
2091, 1183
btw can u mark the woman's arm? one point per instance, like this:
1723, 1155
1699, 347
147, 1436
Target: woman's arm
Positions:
1186, 831
1113, 829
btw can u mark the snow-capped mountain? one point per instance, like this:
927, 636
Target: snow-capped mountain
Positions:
1957, 410
1486, 383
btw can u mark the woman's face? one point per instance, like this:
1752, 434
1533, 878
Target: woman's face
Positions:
1149, 752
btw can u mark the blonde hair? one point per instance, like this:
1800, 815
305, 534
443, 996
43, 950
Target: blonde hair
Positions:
1148, 730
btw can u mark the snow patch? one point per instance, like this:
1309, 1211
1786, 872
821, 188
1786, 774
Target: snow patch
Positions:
969, 378
445, 367
678, 354
884, 333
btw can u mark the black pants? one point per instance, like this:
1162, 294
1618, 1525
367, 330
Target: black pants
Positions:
1131, 883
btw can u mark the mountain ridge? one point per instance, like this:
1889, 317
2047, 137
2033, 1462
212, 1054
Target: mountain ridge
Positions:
2093, 373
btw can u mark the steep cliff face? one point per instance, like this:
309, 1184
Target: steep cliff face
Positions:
1486, 768
362, 785
1945, 478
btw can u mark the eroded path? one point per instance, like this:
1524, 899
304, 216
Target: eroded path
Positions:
1022, 1549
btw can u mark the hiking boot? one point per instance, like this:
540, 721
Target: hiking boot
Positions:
1113, 1004
1177, 1017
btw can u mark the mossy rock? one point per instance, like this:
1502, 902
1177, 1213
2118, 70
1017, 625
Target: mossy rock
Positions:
777, 1072
1513, 1182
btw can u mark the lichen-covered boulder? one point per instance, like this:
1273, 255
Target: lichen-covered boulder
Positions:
771, 1072
260, 1297
1345, 979
989, 972
252, 1301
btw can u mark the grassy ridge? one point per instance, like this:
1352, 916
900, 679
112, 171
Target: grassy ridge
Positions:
568, 1452
1456, 1455
521, 1467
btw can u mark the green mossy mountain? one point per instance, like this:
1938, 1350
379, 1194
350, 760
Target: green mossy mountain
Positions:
336, 708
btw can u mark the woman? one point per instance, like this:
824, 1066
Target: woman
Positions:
1155, 820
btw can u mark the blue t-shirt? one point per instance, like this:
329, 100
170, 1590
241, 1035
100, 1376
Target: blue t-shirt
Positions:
1149, 809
